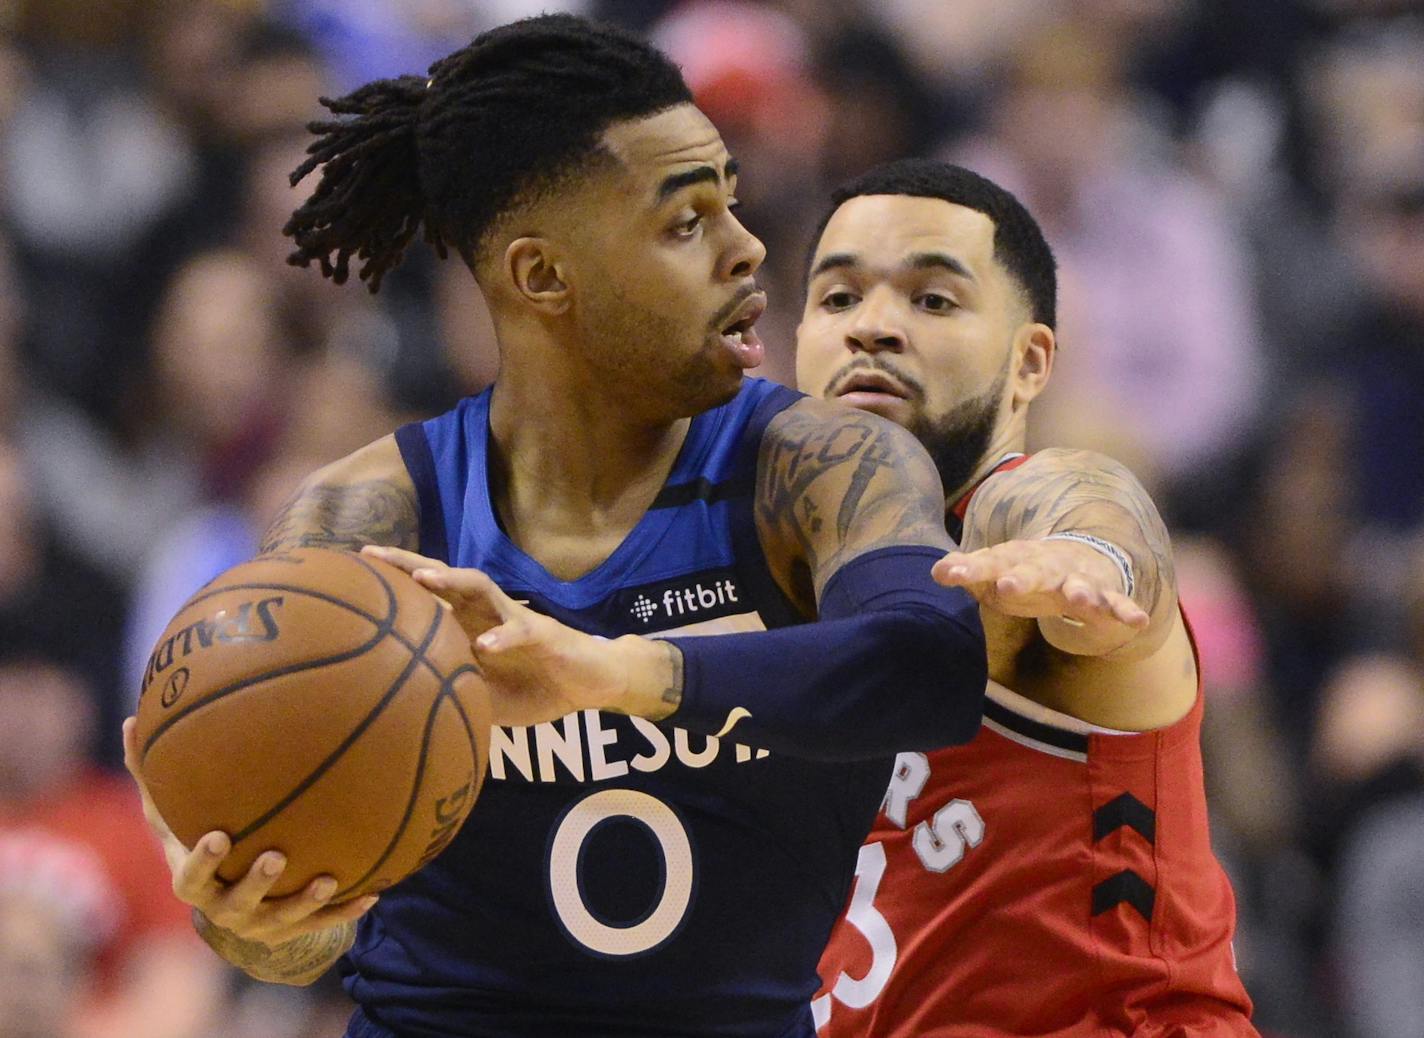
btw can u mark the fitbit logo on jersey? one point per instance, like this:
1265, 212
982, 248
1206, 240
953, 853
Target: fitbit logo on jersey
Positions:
697, 598
702, 596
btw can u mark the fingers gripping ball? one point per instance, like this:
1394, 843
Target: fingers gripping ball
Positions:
321, 704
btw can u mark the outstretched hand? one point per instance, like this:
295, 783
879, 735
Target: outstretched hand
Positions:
1071, 589
537, 669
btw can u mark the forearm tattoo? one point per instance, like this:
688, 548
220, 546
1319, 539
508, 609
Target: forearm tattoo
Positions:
346, 516
294, 960
672, 694
842, 485
1078, 492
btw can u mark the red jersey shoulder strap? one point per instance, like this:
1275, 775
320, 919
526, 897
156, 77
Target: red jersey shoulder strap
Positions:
955, 519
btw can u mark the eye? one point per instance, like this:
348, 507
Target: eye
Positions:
733, 204
839, 300
688, 228
936, 303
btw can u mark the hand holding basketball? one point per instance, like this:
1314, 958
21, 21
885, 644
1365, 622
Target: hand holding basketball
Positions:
320, 711
536, 668
240, 907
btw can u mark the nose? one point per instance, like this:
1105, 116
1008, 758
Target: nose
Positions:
744, 255
873, 328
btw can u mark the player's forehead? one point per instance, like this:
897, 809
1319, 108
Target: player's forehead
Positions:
887, 232
677, 140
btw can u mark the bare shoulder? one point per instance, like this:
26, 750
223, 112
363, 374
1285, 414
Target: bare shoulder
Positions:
1151, 681
1014, 500
1056, 489
834, 483
366, 497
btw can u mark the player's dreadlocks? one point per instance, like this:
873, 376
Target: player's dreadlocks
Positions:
503, 120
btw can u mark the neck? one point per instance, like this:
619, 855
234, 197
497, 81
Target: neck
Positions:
562, 441
1009, 439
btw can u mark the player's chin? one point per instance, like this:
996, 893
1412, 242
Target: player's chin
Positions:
721, 389
714, 379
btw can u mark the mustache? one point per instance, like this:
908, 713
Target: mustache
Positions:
861, 365
720, 319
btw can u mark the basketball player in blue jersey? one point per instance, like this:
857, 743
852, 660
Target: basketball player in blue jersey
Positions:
671, 820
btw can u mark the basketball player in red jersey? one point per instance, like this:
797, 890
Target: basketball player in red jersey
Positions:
1054, 877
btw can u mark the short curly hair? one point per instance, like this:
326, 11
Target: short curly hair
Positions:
1018, 240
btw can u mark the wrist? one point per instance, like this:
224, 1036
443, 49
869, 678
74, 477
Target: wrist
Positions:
653, 682
1119, 558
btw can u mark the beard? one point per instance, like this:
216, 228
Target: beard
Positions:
957, 441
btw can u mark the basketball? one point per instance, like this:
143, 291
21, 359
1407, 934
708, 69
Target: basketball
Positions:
318, 703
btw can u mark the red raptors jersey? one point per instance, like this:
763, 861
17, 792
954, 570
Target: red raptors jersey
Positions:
1047, 879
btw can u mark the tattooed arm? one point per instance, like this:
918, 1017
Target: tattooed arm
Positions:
849, 514
1111, 575
298, 961
365, 498
1063, 625
833, 484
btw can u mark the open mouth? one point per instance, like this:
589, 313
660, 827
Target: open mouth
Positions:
739, 335
745, 316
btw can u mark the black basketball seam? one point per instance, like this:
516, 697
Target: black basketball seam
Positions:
446, 692
281, 672
392, 633
346, 743
385, 629
380, 578
415, 785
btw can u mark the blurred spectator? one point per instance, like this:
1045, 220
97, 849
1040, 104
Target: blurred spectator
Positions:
1369, 834
1157, 320
43, 967
1380, 922
1252, 785
1382, 360
1294, 529
52, 600
1251, 779
88, 164
342, 406
78, 838
1371, 726
213, 411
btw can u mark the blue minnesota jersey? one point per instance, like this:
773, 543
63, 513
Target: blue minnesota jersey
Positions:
619, 877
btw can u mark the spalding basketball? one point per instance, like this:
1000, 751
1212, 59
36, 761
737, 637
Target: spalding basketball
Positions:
322, 704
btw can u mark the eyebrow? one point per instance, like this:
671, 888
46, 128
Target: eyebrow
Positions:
834, 260
697, 175
917, 261
942, 260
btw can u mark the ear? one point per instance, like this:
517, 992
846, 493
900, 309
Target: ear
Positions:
1034, 349
535, 273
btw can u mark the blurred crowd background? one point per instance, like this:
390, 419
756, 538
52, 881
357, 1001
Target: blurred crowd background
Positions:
1235, 191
